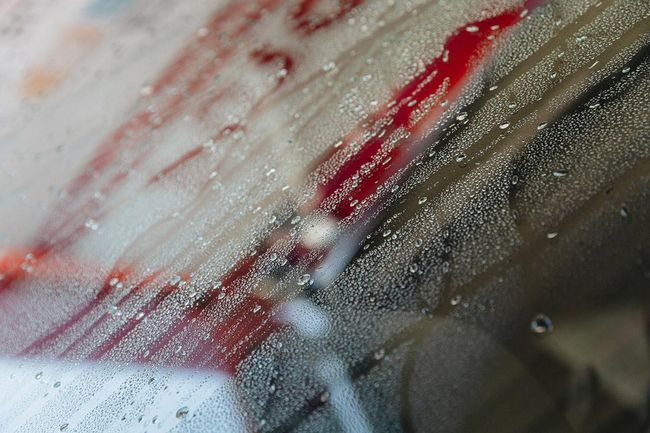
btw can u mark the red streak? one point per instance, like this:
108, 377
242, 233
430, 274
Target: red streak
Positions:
190, 154
237, 336
270, 56
307, 21
37, 346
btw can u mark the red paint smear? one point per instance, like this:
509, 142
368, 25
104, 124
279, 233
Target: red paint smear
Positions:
242, 332
113, 340
464, 48
118, 336
232, 339
227, 286
307, 21
42, 342
271, 56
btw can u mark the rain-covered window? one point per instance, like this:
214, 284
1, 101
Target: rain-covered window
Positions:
324, 216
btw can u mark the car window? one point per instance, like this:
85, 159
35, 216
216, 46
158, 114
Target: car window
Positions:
315, 216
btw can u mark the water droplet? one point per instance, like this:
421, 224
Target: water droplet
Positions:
504, 125
379, 354
304, 279
282, 73
422, 200
257, 308
624, 212
324, 397
455, 300
63, 427
542, 125
57, 384
541, 324
38, 375
461, 116
551, 235
471, 29
560, 173
146, 91
327, 67
91, 224
182, 412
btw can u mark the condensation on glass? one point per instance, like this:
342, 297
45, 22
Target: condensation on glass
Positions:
315, 216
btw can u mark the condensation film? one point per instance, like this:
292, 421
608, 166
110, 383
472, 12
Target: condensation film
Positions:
268, 216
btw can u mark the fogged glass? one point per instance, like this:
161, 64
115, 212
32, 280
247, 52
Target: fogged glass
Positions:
324, 216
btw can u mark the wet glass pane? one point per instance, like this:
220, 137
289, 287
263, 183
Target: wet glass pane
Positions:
324, 216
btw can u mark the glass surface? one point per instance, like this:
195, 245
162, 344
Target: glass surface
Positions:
324, 216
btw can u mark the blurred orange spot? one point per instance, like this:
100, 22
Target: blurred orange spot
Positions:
75, 42
82, 34
39, 80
